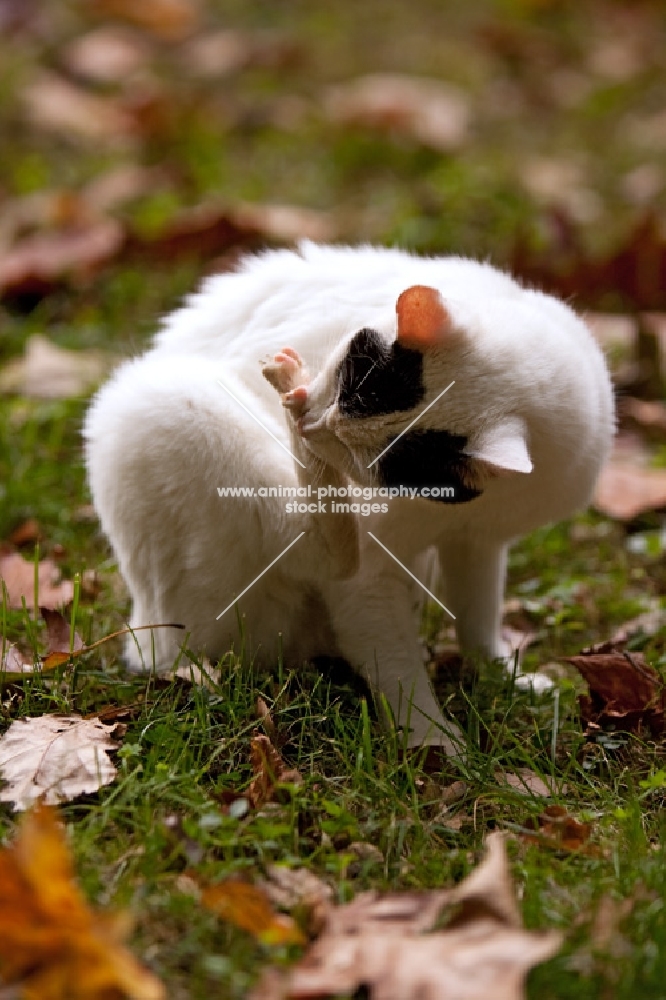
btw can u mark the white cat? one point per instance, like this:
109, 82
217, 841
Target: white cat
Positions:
516, 442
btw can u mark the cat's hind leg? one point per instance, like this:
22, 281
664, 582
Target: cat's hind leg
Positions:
162, 438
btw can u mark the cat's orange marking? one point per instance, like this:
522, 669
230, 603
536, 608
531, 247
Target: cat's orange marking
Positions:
423, 320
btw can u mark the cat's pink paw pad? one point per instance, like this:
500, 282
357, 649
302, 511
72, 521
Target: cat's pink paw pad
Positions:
286, 371
296, 400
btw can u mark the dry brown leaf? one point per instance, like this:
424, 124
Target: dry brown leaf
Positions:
201, 232
557, 829
434, 113
47, 371
170, 20
626, 693
55, 104
647, 415
562, 182
635, 271
217, 53
119, 185
222, 53
613, 331
52, 945
55, 758
285, 223
14, 661
264, 714
42, 261
454, 792
18, 575
624, 490
28, 531
528, 783
59, 634
301, 890
108, 54
380, 943
269, 770
206, 675
248, 907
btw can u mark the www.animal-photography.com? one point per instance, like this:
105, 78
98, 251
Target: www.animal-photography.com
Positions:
333, 495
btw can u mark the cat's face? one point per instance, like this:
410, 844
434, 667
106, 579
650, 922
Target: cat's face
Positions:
384, 411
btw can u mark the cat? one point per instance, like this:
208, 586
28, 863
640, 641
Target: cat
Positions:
328, 368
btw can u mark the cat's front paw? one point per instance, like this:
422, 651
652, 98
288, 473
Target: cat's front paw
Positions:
286, 372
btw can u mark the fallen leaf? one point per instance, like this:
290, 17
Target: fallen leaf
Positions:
626, 693
59, 633
301, 890
221, 53
18, 575
55, 104
217, 53
613, 331
55, 758
634, 273
170, 20
56, 657
247, 906
285, 223
42, 261
605, 934
108, 54
557, 829
119, 185
562, 182
626, 489
47, 371
201, 232
52, 945
527, 782
14, 661
28, 531
647, 415
380, 943
454, 792
206, 675
434, 113
264, 714
269, 770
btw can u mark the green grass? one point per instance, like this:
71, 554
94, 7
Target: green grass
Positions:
186, 747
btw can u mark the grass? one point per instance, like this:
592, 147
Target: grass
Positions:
185, 747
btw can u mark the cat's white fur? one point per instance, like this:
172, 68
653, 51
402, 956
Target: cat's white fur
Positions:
531, 387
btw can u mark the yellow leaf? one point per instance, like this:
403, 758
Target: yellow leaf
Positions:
52, 945
248, 907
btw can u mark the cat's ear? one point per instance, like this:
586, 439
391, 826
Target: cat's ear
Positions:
423, 319
502, 448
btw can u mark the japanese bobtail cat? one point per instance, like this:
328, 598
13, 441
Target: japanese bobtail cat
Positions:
327, 367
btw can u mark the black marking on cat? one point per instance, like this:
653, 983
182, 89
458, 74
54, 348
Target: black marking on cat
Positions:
377, 378
430, 458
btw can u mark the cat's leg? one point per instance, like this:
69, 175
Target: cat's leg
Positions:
377, 632
162, 437
473, 571
338, 533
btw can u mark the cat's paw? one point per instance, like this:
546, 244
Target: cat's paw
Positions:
286, 371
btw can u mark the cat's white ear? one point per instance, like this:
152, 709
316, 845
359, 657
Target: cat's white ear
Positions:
423, 319
502, 448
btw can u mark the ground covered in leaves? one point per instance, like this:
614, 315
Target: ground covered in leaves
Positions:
233, 835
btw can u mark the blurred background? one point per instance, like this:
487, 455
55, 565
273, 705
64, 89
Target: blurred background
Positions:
162, 137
